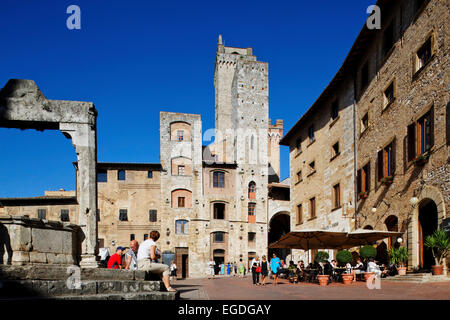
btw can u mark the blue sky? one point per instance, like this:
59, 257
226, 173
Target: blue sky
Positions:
136, 58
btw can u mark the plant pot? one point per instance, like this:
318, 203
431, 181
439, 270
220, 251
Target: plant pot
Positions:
347, 278
401, 271
437, 270
323, 279
367, 275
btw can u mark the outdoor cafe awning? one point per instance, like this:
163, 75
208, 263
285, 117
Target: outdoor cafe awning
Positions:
321, 239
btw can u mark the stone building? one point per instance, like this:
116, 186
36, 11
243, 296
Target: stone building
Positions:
207, 201
387, 108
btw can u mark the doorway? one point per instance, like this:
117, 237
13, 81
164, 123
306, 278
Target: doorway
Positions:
182, 262
428, 223
280, 225
219, 258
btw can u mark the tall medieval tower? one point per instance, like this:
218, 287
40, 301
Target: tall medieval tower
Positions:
242, 116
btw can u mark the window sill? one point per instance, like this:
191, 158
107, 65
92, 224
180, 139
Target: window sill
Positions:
311, 142
299, 223
312, 218
298, 154
363, 133
334, 121
335, 156
337, 208
311, 173
298, 182
417, 74
388, 105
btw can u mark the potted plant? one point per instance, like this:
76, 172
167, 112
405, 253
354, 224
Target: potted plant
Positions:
387, 180
344, 257
422, 159
399, 257
363, 194
322, 256
439, 244
367, 252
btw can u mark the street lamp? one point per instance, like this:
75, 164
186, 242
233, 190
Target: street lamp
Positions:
413, 201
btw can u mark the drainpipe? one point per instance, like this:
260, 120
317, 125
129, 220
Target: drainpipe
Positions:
355, 153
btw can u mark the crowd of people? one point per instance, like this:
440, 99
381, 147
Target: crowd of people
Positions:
145, 256
276, 267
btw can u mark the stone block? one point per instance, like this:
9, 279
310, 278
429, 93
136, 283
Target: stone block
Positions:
48, 272
68, 242
139, 275
109, 286
20, 258
19, 237
130, 286
38, 257
148, 286
53, 258
47, 240
106, 274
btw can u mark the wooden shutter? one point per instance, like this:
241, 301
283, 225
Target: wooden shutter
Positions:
393, 156
432, 126
411, 142
379, 165
359, 181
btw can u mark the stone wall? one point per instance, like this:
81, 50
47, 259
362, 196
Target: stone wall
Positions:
26, 241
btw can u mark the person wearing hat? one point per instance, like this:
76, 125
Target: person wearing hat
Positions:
115, 261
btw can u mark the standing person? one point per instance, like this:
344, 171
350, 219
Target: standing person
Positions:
235, 266
241, 268
147, 258
275, 266
115, 262
173, 270
256, 269
222, 268
264, 270
130, 256
212, 267
228, 268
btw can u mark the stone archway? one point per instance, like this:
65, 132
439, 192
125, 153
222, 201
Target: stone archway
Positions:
279, 225
23, 106
428, 193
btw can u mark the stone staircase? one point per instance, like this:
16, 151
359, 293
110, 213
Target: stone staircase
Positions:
417, 278
41, 282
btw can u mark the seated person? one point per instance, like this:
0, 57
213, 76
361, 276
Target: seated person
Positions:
358, 269
373, 267
147, 259
115, 261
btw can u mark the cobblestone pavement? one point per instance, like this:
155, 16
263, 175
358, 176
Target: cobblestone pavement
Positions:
234, 288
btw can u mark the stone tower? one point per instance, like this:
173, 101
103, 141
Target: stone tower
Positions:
242, 109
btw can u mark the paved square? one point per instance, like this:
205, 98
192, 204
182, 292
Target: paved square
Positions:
234, 288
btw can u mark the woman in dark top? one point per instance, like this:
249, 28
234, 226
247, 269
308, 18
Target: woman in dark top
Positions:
264, 270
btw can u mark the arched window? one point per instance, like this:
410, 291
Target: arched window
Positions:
252, 190
252, 142
181, 227
218, 179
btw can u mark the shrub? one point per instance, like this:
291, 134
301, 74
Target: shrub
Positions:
321, 256
344, 257
439, 243
368, 251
